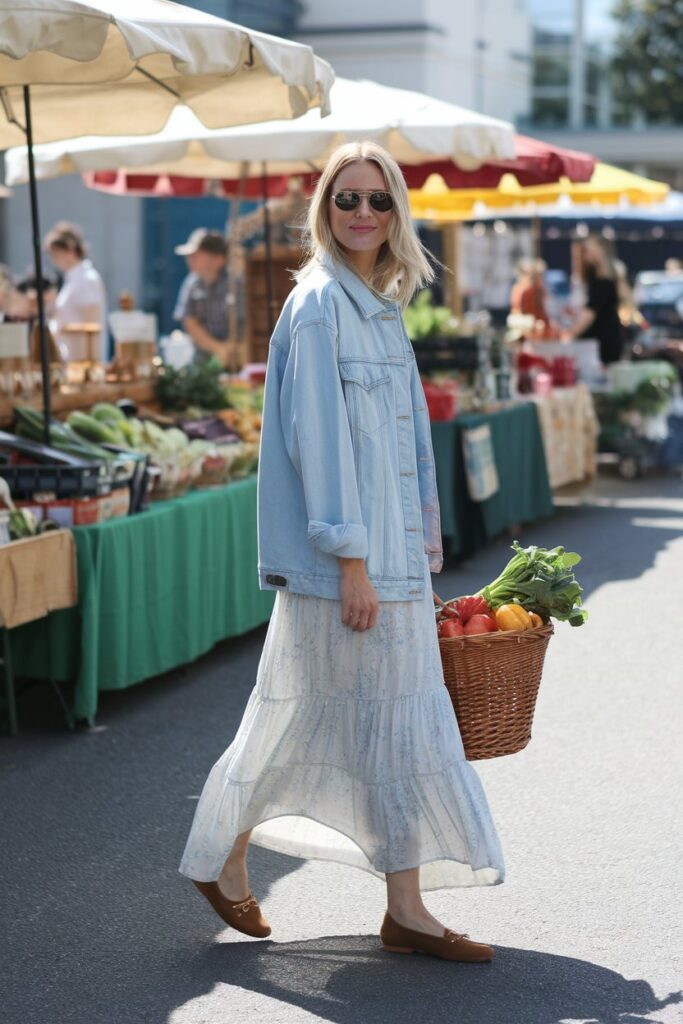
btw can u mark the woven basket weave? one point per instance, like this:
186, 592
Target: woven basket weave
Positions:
493, 680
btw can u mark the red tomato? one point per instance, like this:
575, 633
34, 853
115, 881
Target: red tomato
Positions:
451, 627
480, 624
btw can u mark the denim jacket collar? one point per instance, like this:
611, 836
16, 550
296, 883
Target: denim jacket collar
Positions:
368, 302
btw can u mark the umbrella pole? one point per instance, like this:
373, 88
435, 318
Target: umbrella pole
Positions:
235, 207
38, 265
451, 258
269, 250
536, 235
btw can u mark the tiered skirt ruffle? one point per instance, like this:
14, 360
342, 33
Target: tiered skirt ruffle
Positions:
349, 750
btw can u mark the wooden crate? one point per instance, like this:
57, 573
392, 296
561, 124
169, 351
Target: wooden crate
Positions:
285, 260
37, 575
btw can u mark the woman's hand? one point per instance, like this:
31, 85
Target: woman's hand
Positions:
359, 603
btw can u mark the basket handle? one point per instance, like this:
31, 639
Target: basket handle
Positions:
437, 600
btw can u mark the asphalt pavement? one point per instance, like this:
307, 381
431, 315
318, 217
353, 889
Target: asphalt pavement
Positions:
102, 929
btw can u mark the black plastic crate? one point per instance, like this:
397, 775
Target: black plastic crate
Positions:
450, 353
30, 468
63, 481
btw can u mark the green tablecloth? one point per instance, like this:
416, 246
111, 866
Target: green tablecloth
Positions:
156, 590
159, 589
524, 494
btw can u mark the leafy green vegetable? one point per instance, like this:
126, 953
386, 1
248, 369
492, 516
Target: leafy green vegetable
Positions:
542, 581
425, 320
196, 384
649, 398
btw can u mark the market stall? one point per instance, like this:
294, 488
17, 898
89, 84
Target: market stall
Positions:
70, 81
155, 591
158, 590
569, 428
523, 494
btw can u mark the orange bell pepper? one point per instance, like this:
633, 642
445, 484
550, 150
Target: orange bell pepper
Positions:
513, 616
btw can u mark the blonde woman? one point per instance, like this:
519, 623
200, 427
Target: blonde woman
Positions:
599, 319
349, 749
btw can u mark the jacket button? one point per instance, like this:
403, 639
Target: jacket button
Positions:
277, 581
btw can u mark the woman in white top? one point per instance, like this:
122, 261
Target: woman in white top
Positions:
82, 297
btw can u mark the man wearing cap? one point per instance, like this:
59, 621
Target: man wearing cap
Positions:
205, 312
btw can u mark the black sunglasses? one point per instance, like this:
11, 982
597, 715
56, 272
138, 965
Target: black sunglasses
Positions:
347, 200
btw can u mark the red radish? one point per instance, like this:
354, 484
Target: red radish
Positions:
450, 611
480, 624
451, 627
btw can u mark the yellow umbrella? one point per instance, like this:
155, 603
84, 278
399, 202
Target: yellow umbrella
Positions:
608, 186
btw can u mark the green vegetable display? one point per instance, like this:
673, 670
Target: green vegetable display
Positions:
30, 424
194, 385
425, 320
107, 413
93, 429
541, 580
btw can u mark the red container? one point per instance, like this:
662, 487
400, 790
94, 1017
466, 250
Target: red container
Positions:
441, 400
563, 369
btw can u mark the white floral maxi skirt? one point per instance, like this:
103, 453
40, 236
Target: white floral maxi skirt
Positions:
349, 750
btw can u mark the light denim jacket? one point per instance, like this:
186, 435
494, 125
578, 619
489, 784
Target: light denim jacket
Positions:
346, 464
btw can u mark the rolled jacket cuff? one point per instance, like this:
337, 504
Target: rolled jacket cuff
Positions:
435, 559
346, 540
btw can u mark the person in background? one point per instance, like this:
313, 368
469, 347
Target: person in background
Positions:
528, 296
82, 297
18, 298
205, 316
189, 251
599, 319
673, 266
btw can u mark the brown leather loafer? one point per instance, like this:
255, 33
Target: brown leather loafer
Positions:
244, 915
450, 946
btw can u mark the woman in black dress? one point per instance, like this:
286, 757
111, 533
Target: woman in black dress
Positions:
599, 319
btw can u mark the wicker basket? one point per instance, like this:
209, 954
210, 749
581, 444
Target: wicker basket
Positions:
493, 680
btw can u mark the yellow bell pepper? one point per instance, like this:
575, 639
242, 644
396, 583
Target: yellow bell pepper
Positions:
513, 616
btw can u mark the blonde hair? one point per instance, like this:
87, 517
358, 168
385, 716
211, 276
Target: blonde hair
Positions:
402, 266
67, 238
596, 253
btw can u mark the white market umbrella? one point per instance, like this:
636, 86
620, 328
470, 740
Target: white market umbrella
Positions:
74, 67
414, 128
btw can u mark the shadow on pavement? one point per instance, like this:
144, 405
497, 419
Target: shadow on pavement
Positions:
343, 979
349, 978
616, 542
346, 979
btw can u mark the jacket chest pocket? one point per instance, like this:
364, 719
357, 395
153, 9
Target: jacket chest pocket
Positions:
367, 392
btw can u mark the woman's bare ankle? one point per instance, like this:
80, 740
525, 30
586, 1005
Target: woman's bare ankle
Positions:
234, 878
415, 916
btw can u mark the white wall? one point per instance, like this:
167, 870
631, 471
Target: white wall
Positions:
112, 225
438, 54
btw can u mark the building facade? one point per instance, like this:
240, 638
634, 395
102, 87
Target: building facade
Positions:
574, 101
476, 53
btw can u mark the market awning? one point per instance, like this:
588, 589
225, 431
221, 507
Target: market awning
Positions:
415, 128
535, 163
608, 186
121, 67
